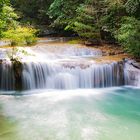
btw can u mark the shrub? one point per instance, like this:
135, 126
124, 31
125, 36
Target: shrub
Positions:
20, 36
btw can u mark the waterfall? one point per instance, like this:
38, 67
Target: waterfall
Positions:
132, 75
38, 75
59, 66
51, 76
7, 80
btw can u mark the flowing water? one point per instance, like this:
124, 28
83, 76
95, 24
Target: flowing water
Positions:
90, 114
61, 66
67, 95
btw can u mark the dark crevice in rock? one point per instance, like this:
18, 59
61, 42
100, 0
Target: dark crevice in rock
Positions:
17, 67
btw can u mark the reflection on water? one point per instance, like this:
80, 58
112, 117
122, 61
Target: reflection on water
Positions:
94, 114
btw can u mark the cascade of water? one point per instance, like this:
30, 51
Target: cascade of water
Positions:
132, 75
66, 67
55, 76
81, 52
52, 76
7, 80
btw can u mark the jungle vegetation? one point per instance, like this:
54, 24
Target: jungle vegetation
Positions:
112, 21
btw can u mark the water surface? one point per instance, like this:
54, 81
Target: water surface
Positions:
85, 114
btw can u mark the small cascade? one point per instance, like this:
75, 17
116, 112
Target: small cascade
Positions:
51, 76
39, 75
132, 75
7, 80
71, 51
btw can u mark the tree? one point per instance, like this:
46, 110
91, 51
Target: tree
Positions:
63, 11
7, 17
129, 35
87, 22
32, 11
133, 7
2, 3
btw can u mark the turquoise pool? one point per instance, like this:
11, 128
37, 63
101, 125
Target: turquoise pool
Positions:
84, 114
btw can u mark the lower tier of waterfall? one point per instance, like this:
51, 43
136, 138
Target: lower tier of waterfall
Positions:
39, 75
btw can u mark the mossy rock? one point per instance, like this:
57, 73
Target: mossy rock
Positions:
17, 67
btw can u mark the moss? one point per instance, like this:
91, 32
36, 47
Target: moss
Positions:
75, 41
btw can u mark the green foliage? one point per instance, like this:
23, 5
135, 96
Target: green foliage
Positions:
133, 7
7, 18
10, 28
113, 13
20, 35
97, 19
32, 11
3, 2
89, 19
63, 11
129, 35
86, 23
